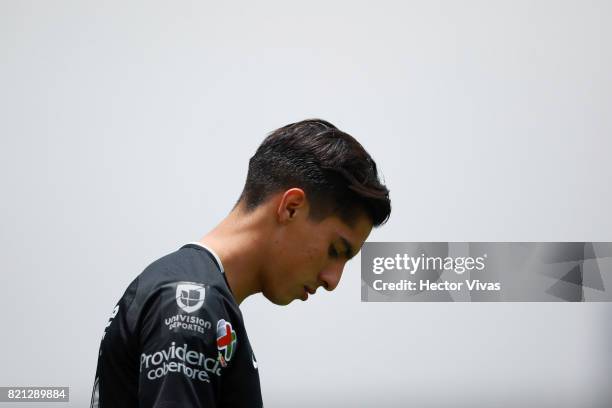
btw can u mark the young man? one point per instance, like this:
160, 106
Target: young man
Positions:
177, 338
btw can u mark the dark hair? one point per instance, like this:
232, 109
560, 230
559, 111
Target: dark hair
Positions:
337, 174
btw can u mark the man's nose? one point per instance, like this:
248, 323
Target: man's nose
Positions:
330, 277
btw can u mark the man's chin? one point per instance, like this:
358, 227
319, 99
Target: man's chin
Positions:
278, 300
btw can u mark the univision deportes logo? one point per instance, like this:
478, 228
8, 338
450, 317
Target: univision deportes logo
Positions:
185, 322
191, 363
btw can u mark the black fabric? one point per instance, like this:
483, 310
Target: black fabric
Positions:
177, 339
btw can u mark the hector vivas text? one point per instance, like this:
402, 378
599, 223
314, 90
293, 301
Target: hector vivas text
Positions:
434, 264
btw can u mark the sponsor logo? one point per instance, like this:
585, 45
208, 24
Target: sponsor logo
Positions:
192, 364
226, 341
110, 320
186, 322
95, 395
190, 296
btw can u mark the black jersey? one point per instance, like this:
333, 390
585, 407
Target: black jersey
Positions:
177, 339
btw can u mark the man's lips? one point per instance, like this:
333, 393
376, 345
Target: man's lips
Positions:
307, 290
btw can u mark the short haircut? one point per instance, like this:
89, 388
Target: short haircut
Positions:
337, 174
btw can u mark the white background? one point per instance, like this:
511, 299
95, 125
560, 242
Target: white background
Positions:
125, 132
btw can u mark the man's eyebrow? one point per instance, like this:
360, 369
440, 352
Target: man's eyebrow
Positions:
348, 248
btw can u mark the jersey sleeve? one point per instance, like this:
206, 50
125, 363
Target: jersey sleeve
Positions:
186, 343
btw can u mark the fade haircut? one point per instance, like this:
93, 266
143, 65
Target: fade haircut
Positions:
337, 174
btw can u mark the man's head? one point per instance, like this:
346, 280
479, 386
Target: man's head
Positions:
324, 194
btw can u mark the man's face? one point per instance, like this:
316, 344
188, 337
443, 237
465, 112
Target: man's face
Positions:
307, 254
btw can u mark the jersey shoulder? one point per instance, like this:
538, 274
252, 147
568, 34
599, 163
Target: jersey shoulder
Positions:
186, 284
188, 270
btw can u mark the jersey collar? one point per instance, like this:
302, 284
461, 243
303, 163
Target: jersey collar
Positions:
213, 253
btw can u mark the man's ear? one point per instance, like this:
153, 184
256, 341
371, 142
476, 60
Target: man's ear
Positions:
293, 203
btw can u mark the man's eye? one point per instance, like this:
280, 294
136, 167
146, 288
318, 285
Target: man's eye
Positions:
332, 252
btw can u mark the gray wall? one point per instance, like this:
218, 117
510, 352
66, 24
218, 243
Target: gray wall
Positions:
125, 132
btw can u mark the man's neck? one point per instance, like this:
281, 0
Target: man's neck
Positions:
239, 241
